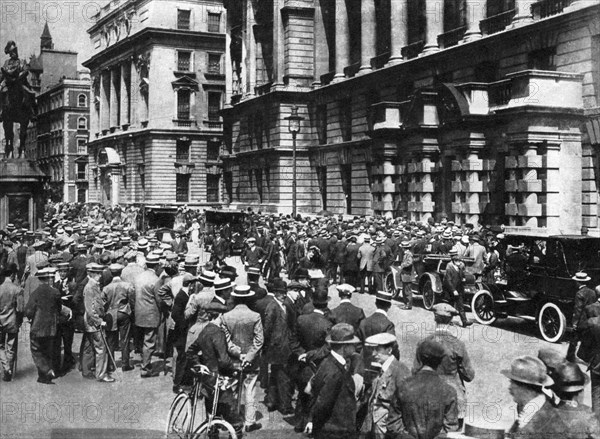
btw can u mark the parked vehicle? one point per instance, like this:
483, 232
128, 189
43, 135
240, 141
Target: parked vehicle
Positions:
535, 281
232, 222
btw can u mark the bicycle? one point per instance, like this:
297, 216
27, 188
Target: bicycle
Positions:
182, 413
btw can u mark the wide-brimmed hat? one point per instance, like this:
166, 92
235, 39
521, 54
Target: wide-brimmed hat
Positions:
551, 358
447, 234
570, 378
342, 333
383, 295
242, 291
528, 370
581, 277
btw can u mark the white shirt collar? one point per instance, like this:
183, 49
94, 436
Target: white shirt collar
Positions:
381, 311
339, 358
318, 311
530, 409
387, 363
220, 299
345, 301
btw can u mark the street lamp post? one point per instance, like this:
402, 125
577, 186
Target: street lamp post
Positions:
294, 127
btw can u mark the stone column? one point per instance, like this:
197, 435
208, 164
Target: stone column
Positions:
434, 13
134, 93
104, 100
475, 13
278, 43
322, 51
125, 92
114, 187
398, 30
342, 40
523, 14
368, 35
427, 205
228, 62
250, 49
114, 102
244, 56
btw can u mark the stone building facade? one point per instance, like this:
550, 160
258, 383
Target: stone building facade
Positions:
158, 84
476, 111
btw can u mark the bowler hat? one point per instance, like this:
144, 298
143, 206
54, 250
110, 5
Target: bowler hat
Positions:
278, 286
569, 378
342, 333
528, 370
551, 358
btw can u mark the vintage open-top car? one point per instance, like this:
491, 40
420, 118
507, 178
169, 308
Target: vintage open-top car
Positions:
535, 281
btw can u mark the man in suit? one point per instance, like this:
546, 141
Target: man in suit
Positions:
478, 253
119, 298
455, 367
585, 296
386, 419
406, 267
11, 317
351, 267
309, 346
95, 350
66, 328
43, 309
244, 330
277, 352
365, 254
337, 259
346, 312
453, 285
378, 322
427, 403
147, 312
179, 244
179, 332
381, 258
536, 416
333, 410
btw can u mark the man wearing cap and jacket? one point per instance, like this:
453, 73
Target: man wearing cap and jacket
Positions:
585, 296
346, 312
119, 298
333, 409
452, 284
11, 317
365, 254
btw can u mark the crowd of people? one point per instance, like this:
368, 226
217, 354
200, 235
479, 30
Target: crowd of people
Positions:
340, 373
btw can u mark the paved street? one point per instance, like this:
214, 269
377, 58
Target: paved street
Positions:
133, 407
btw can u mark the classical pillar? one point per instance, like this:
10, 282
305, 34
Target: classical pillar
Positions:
398, 30
475, 13
114, 187
368, 34
342, 40
250, 49
426, 166
125, 92
434, 14
104, 100
523, 14
278, 42
134, 93
321, 50
228, 62
114, 102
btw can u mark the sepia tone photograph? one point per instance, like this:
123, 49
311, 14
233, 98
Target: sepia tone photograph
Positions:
294, 219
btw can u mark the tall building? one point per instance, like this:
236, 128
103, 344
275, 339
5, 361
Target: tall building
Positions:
472, 110
158, 87
57, 139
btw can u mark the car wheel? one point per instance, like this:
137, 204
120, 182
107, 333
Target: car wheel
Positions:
389, 286
483, 307
428, 295
552, 323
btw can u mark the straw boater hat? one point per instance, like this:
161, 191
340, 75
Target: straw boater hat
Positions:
581, 277
45, 273
207, 276
342, 333
221, 284
242, 291
382, 339
152, 259
383, 295
94, 268
528, 370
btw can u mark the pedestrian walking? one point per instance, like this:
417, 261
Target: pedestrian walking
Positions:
11, 317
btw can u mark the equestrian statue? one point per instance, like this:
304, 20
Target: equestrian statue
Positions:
17, 99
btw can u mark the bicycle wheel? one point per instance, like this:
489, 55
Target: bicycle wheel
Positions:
180, 416
219, 429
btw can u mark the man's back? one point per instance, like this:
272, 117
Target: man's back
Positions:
11, 305
346, 312
245, 329
147, 314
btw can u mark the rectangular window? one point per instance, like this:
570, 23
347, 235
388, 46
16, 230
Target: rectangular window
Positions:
183, 104
184, 61
182, 152
228, 180
321, 117
259, 184
212, 188
322, 180
182, 188
214, 63
214, 106
346, 171
213, 150
81, 146
542, 59
183, 19
214, 22
81, 195
81, 171
346, 119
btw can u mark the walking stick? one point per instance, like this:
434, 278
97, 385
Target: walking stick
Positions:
108, 349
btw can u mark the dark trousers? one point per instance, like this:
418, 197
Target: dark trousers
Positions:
407, 293
350, 277
366, 279
8, 346
64, 338
280, 389
596, 394
379, 281
459, 303
149, 348
180, 366
124, 331
87, 356
42, 351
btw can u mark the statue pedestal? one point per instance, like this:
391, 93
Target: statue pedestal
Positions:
21, 193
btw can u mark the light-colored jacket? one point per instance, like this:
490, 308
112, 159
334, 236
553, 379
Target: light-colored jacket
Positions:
244, 331
365, 254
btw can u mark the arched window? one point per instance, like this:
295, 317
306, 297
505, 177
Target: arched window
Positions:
82, 123
82, 100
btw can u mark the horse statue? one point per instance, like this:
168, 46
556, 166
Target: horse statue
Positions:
17, 100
